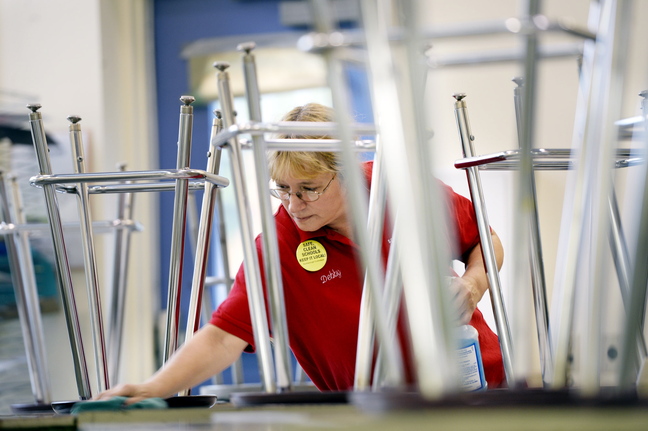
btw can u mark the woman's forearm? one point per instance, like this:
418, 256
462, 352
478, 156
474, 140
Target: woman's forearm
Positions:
476, 271
470, 287
210, 351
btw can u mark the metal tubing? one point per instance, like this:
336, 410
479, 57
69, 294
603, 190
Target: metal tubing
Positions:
524, 205
41, 389
635, 311
504, 55
89, 259
545, 165
121, 252
24, 282
420, 224
538, 281
633, 324
179, 228
326, 145
357, 198
486, 240
608, 81
320, 40
40, 229
203, 237
619, 248
538, 285
60, 253
421, 158
192, 223
131, 188
272, 264
621, 257
517, 103
236, 368
250, 261
201, 241
393, 301
172, 174
375, 226
591, 189
554, 159
575, 203
286, 127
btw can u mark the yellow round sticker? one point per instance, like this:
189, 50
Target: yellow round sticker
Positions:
311, 255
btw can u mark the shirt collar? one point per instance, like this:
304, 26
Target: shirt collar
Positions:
325, 232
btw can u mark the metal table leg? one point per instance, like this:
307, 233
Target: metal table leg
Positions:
474, 182
23, 279
179, 229
357, 199
366, 332
203, 236
272, 265
525, 226
538, 281
60, 252
420, 225
564, 291
251, 262
392, 300
121, 253
590, 192
87, 241
632, 356
621, 257
237, 367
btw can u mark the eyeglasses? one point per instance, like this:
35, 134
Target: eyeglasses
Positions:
305, 195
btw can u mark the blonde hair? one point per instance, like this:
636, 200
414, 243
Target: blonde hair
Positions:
304, 164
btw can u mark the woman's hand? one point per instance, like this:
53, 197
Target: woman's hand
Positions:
470, 287
134, 393
465, 295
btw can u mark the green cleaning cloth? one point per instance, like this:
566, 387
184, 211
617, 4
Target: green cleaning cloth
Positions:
117, 403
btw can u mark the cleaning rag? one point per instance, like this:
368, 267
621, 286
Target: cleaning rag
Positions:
117, 403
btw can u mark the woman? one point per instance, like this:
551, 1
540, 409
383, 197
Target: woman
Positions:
322, 295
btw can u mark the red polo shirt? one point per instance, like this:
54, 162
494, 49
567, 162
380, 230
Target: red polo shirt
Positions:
322, 307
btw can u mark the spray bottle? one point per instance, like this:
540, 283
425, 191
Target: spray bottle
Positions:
471, 368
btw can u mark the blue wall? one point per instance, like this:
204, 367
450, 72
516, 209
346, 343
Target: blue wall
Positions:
178, 23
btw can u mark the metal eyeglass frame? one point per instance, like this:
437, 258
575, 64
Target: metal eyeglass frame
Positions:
286, 195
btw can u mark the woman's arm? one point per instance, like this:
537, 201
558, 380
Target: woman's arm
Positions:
472, 285
209, 352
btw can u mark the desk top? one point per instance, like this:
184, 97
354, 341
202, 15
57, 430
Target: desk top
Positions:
345, 417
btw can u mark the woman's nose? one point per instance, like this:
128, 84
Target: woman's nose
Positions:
295, 201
